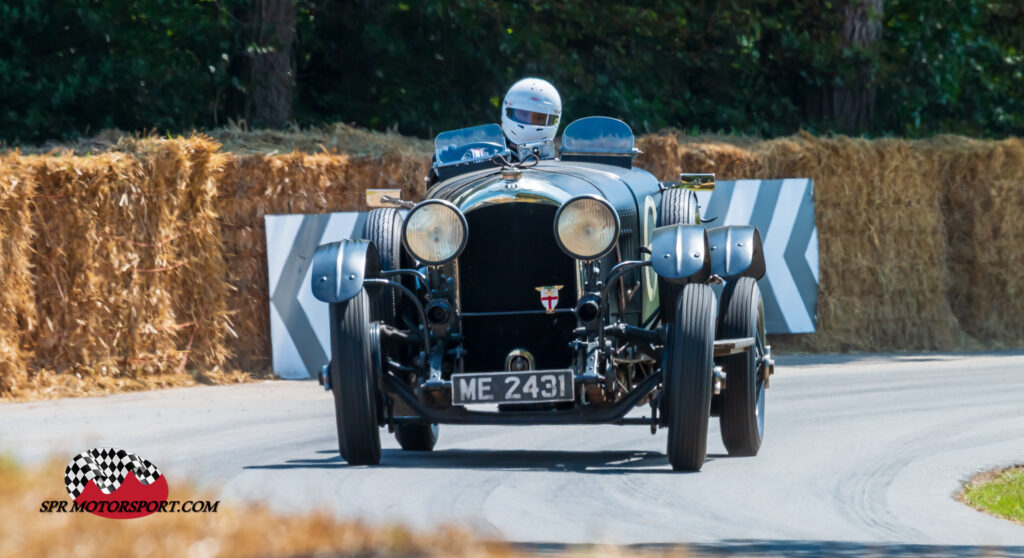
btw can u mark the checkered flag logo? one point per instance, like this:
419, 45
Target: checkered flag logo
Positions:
107, 467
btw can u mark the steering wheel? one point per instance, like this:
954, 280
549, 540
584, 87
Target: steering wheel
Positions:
465, 152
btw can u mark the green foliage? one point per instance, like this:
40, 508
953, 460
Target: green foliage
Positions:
762, 67
438, 64
757, 67
953, 66
70, 67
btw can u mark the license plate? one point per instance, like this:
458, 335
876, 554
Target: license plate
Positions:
537, 386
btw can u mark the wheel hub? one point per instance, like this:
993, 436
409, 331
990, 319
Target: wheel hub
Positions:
767, 366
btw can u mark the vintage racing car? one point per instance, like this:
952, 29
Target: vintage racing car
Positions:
563, 291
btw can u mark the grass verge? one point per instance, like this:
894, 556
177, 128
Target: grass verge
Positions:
1000, 493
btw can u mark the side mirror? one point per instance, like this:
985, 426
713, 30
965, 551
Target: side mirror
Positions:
698, 181
386, 198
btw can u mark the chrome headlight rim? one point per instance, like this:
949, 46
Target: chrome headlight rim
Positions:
462, 219
615, 234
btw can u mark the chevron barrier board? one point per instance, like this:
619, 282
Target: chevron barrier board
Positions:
300, 338
783, 210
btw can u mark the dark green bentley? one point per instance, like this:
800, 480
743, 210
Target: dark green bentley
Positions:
561, 291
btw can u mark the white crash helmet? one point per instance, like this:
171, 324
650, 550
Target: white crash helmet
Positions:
531, 112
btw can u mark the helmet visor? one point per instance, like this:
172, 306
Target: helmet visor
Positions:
531, 118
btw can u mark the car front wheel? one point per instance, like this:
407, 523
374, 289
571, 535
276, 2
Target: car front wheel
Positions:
742, 414
384, 228
688, 368
416, 437
354, 381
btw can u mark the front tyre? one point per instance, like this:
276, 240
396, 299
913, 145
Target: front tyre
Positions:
678, 207
354, 381
742, 414
688, 369
384, 228
416, 437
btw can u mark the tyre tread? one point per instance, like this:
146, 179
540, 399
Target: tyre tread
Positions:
690, 362
384, 228
738, 419
678, 206
355, 391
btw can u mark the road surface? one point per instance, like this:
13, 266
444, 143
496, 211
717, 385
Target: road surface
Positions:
862, 449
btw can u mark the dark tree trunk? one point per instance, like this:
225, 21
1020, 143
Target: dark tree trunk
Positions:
853, 107
271, 68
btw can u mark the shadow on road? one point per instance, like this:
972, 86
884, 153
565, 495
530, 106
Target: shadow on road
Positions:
333, 462
787, 360
590, 462
797, 549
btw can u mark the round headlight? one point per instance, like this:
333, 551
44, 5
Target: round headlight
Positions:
435, 232
586, 227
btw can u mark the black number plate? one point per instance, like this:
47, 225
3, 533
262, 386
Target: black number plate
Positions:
536, 386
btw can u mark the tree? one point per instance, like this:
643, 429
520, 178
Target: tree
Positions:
851, 35
271, 63
853, 104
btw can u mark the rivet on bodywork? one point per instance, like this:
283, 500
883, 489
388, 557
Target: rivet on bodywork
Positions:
696, 254
323, 278
668, 256
352, 277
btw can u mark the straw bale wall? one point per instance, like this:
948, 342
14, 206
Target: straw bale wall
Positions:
127, 269
983, 208
149, 260
17, 299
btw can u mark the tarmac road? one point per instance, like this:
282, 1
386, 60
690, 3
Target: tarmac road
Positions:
858, 450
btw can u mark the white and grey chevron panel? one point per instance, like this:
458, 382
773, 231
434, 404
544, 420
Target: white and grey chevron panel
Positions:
783, 210
300, 338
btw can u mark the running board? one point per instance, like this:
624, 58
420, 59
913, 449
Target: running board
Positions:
726, 347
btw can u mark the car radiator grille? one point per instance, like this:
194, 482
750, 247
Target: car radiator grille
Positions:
510, 252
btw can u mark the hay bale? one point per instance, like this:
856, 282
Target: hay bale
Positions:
128, 263
665, 156
200, 286
334, 138
983, 196
881, 241
659, 155
17, 298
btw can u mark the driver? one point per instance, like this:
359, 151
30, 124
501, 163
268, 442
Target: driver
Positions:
529, 118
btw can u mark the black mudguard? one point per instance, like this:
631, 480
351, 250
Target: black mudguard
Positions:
340, 268
736, 251
679, 254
